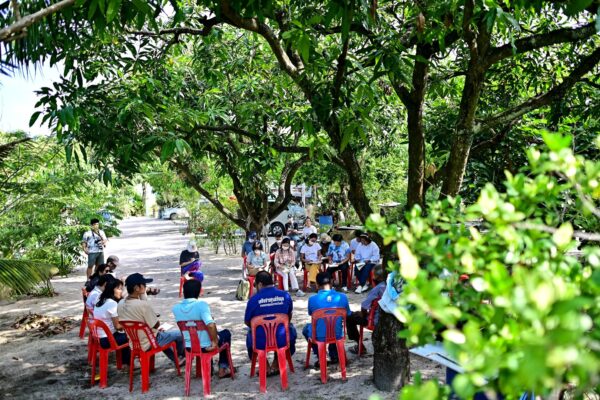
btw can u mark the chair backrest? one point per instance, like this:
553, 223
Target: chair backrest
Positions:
84, 294
134, 329
94, 325
372, 312
192, 328
270, 323
90, 311
245, 258
330, 316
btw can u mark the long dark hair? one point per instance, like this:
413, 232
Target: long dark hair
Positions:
99, 268
109, 292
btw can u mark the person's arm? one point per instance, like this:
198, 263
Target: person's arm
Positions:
104, 238
214, 337
116, 323
84, 244
376, 256
265, 261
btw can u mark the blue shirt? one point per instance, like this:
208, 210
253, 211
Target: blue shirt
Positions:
338, 253
247, 248
374, 294
194, 310
328, 299
267, 301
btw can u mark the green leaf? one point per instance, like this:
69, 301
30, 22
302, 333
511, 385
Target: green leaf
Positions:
562, 237
409, 265
114, 6
577, 6
34, 118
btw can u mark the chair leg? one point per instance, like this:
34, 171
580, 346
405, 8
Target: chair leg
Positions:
231, 367
282, 361
342, 357
103, 369
93, 364
289, 359
90, 345
180, 286
145, 371
174, 346
262, 371
308, 349
119, 359
188, 372
323, 360
131, 368
83, 323
206, 374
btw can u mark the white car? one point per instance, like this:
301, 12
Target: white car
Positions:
174, 213
277, 224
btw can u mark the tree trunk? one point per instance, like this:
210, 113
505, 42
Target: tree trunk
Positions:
357, 195
391, 360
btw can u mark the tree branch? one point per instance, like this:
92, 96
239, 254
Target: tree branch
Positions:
285, 195
514, 113
339, 74
564, 35
208, 24
530, 226
16, 30
183, 168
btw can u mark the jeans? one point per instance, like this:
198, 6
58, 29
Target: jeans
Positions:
344, 269
224, 337
307, 333
293, 336
120, 338
165, 337
363, 273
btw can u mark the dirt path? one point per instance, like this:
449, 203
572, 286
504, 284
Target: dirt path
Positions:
55, 367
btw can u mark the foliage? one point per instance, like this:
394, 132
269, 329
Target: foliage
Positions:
526, 319
36, 175
220, 230
23, 276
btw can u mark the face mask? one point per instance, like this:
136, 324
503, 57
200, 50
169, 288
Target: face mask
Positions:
285, 247
251, 240
257, 252
312, 241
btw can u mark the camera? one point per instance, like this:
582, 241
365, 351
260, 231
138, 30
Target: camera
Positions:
98, 242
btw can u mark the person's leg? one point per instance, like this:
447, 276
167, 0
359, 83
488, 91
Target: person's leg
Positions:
121, 338
249, 343
293, 279
331, 272
344, 268
366, 273
284, 280
165, 337
293, 337
224, 337
100, 258
91, 264
313, 270
353, 321
333, 354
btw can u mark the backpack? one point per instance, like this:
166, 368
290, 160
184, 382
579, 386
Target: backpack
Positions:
243, 290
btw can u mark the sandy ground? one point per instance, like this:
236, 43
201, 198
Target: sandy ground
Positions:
55, 367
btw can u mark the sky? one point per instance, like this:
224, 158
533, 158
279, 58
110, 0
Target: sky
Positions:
17, 98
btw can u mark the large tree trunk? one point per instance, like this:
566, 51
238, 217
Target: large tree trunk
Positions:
391, 360
357, 194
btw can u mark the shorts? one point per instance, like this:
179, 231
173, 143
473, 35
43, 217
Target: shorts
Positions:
95, 259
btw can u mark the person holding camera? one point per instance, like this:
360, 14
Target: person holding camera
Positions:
93, 244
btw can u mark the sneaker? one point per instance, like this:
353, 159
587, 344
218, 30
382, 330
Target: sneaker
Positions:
300, 293
366, 287
345, 289
358, 290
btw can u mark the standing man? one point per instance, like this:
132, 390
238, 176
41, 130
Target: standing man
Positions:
269, 300
93, 244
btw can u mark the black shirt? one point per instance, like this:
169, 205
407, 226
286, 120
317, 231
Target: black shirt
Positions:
188, 255
289, 226
274, 247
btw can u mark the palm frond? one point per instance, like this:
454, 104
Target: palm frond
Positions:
23, 276
7, 148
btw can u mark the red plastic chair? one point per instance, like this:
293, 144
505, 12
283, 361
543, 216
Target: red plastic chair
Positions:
94, 325
182, 281
84, 317
203, 360
352, 278
330, 316
250, 278
90, 316
269, 323
146, 357
370, 324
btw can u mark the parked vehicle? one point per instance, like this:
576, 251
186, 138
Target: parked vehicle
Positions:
277, 224
173, 213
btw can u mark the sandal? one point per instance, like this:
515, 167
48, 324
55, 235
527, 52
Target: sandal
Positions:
354, 350
226, 374
272, 372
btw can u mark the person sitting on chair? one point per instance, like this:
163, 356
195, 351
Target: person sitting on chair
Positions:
257, 260
190, 263
193, 309
365, 257
339, 256
136, 308
311, 257
98, 272
326, 298
360, 317
94, 295
247, 246
285, 260
277, 245
106, 310
269, 300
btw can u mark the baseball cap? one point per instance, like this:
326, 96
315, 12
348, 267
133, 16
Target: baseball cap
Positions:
137, 279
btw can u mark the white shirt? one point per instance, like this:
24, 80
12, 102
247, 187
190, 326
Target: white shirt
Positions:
94, 241
354, 244
106, 313
307, 230
311, 253
369, 252
92, 298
